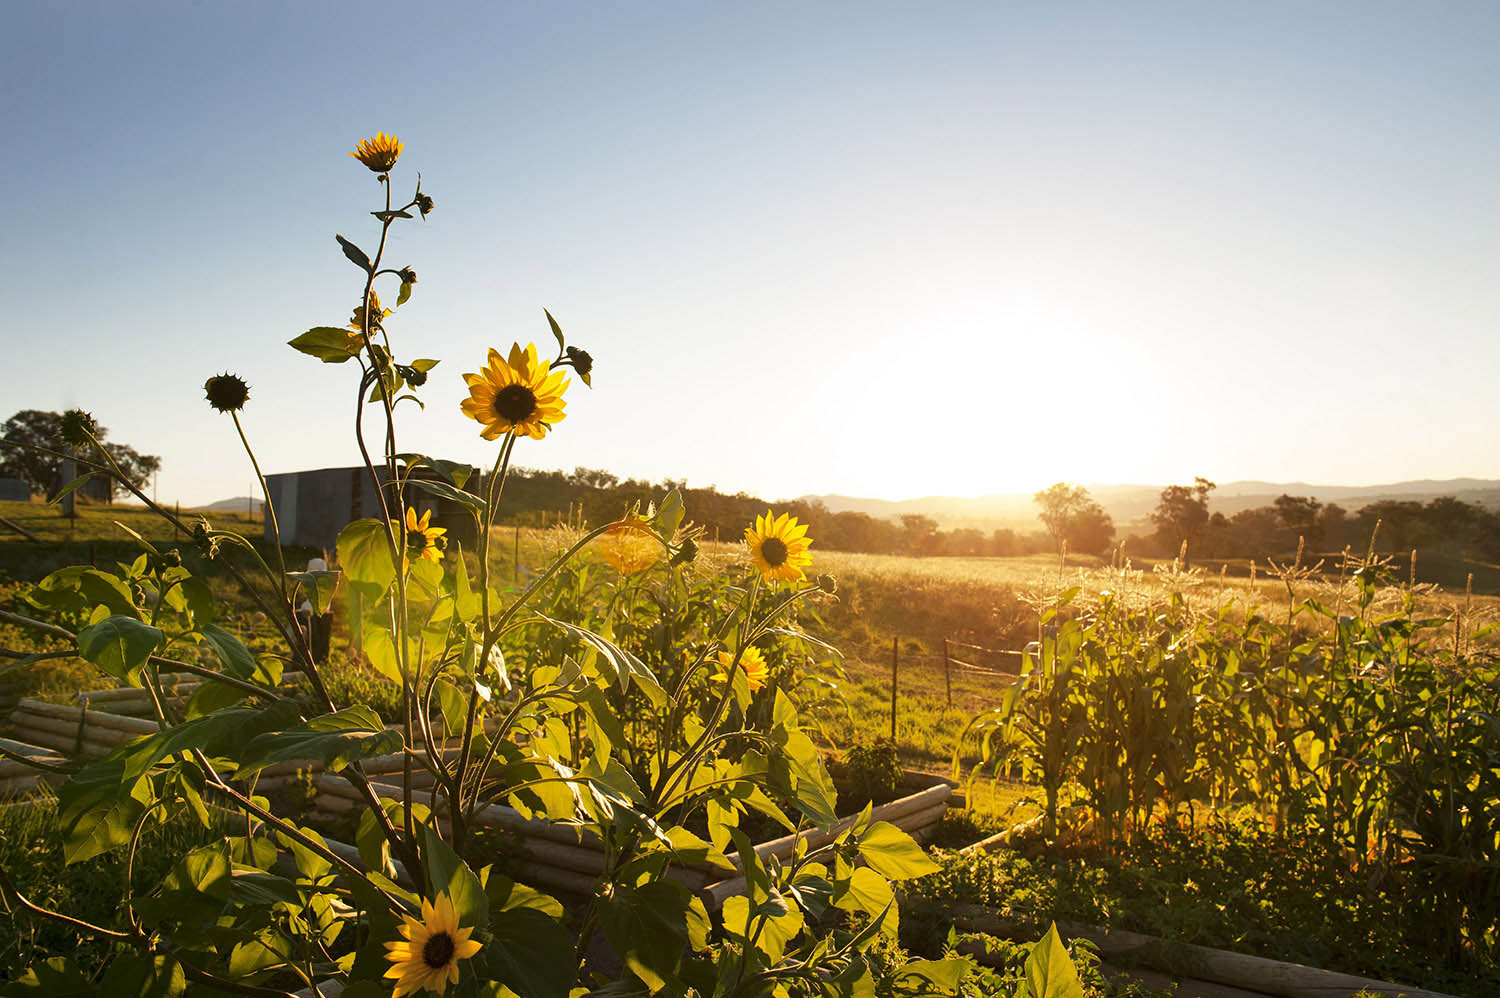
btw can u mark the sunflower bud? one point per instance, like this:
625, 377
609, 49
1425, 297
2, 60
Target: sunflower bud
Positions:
582, 362
414, 376
166, 561
226, 392
207, 546
828, 583
407, 275
78, 428
686, 553
424, 204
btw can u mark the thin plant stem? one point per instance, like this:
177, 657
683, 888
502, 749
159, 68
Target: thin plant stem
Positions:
493, 492
265, 491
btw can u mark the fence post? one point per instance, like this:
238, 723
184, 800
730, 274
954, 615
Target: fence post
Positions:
947, 675
69, 501
894, 664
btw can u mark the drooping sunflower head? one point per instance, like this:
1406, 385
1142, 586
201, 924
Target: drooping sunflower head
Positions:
629, 546
427, 955
78, 428
379, 152
752, 664
517, 393
421, 539
778, 547
226, 392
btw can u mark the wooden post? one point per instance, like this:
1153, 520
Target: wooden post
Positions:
895, 660
69, 472
947, 674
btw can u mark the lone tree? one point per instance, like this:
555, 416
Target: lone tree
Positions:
1302, 515
33, 428
1072, 516
920, 533
1181, 515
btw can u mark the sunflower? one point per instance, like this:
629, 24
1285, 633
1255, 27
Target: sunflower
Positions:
752, 663
427, 957
377, 316
422, 541
379, 152
778, 546
515, 394
630, 546
226, 392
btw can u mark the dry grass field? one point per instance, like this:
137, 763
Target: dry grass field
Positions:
983, 608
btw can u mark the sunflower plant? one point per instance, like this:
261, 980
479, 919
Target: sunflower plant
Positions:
513, 698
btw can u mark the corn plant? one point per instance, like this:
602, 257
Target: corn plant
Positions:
1375, 732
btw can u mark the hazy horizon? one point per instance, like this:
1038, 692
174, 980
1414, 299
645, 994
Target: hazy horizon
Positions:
1224, 490
871, 249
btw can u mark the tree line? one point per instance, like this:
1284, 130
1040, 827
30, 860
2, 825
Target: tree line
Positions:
1071, 519
1446, 524
33, 432
595, 496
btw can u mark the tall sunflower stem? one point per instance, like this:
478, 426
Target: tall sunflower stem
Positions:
406, 845
495, 488
265, 491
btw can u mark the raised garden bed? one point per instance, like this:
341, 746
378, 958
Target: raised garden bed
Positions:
18, 779
90, 731
566, 859
75, 731
1185, 893
1201, 963
558, 856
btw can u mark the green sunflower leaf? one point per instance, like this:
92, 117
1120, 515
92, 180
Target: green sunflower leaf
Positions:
330, 344
354, 253
556, 331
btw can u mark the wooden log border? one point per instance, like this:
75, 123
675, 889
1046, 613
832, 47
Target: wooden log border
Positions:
1253, 973
568, 858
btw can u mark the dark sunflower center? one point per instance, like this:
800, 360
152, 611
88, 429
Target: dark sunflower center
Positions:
773, 551
438, 950
416, 540
515, 403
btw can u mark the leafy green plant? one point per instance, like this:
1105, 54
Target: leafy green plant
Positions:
1372, 731
873, 770
574, 699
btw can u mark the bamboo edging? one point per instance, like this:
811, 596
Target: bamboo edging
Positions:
96, 718
913, 813
565, 857
17, 778
569, 858
1253, 973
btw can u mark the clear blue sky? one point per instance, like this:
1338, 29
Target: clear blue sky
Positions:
879, 249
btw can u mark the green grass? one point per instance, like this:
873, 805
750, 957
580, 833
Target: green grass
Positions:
31, 853
98, 523
1228, 885
94, 536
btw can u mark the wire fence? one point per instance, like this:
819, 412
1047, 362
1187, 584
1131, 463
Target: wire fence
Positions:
968, 676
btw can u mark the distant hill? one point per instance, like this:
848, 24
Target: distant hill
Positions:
239, 504
1129, 504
